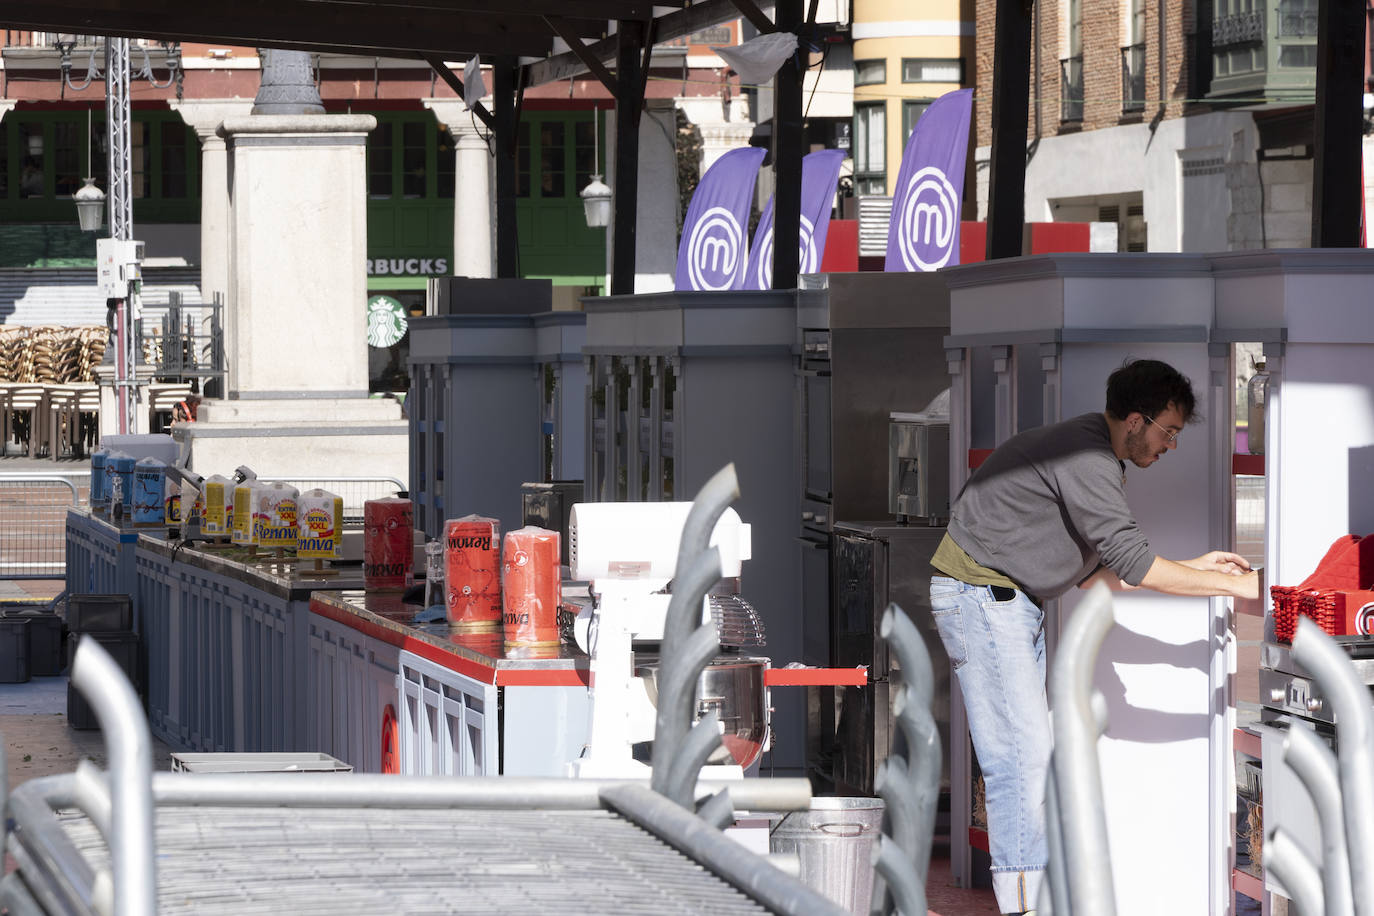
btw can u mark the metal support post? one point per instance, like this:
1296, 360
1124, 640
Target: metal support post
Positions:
120, 200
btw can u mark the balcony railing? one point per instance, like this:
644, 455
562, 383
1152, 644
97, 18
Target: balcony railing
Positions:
1071, 89
1133, 78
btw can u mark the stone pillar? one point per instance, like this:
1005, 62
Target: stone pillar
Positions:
656, 208
474, 220
297, 255
204, 116
719, 138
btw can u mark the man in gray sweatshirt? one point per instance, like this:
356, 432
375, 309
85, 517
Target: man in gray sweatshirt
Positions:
1046, 512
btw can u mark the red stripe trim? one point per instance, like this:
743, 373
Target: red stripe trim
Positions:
1242, 882
815, 677
501, 677
978, 838
543, 677
1249, 465
976, 457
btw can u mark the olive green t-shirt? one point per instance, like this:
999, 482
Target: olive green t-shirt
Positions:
953, 561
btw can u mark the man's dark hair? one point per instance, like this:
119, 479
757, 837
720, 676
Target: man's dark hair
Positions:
1149, 386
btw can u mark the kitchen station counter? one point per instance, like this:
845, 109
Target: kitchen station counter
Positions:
224, 648
482, 656
390, 696
255, 656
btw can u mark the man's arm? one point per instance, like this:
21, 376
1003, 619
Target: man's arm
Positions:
1215, 573
1178, 579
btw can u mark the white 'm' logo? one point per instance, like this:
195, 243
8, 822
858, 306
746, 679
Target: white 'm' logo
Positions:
1362, 619
928, 217
714, 250
806, 254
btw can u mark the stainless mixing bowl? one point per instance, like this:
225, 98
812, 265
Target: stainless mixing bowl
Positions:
732, 686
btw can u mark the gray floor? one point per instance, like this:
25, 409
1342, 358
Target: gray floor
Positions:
38, 696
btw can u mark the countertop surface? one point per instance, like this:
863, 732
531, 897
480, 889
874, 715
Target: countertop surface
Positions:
387, 616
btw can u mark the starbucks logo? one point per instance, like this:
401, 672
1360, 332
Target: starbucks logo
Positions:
386, 321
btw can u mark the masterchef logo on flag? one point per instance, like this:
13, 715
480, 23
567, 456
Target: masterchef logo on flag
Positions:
820, 174
926, 222
711, 254
807, 258
714, 250
924, 231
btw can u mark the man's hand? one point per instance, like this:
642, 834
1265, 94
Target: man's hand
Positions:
1223, 577
1219, 561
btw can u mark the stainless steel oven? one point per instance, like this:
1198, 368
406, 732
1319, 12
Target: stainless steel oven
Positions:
877, 564
1291, 698
867, 344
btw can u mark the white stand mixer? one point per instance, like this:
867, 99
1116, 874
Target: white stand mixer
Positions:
628, 552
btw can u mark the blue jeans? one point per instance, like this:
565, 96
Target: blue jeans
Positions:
997, 649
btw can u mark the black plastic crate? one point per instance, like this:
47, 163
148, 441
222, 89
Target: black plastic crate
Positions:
124, 648
14, 650
45, 640
100, 613
79, 712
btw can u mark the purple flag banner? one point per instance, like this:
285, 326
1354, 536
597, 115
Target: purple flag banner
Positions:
820, 174
711, 255
924, 232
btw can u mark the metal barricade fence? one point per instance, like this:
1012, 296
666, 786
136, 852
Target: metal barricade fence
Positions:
33, 515
354, 490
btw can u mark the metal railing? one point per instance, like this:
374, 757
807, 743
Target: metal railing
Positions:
354, 490
188, 341
1071, 89
33, 535
1133, 78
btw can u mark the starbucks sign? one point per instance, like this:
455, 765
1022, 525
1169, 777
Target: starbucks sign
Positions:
386, 321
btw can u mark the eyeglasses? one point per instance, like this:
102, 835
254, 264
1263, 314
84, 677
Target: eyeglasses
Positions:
1171, 438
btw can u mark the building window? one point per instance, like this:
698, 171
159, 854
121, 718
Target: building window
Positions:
552, 171
1071, 67
414, 159
522, 160
870, 72
379, 153
1133, 78
33, 161
870, 149
1298, 56
141, 161
1071, 89
1133, 60
912, 109
1297, 18
932, 70
445, 163
174, 178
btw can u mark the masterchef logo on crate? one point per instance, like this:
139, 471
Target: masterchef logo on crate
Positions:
1364, 615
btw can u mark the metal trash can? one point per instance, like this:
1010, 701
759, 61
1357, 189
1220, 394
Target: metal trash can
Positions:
834, 842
